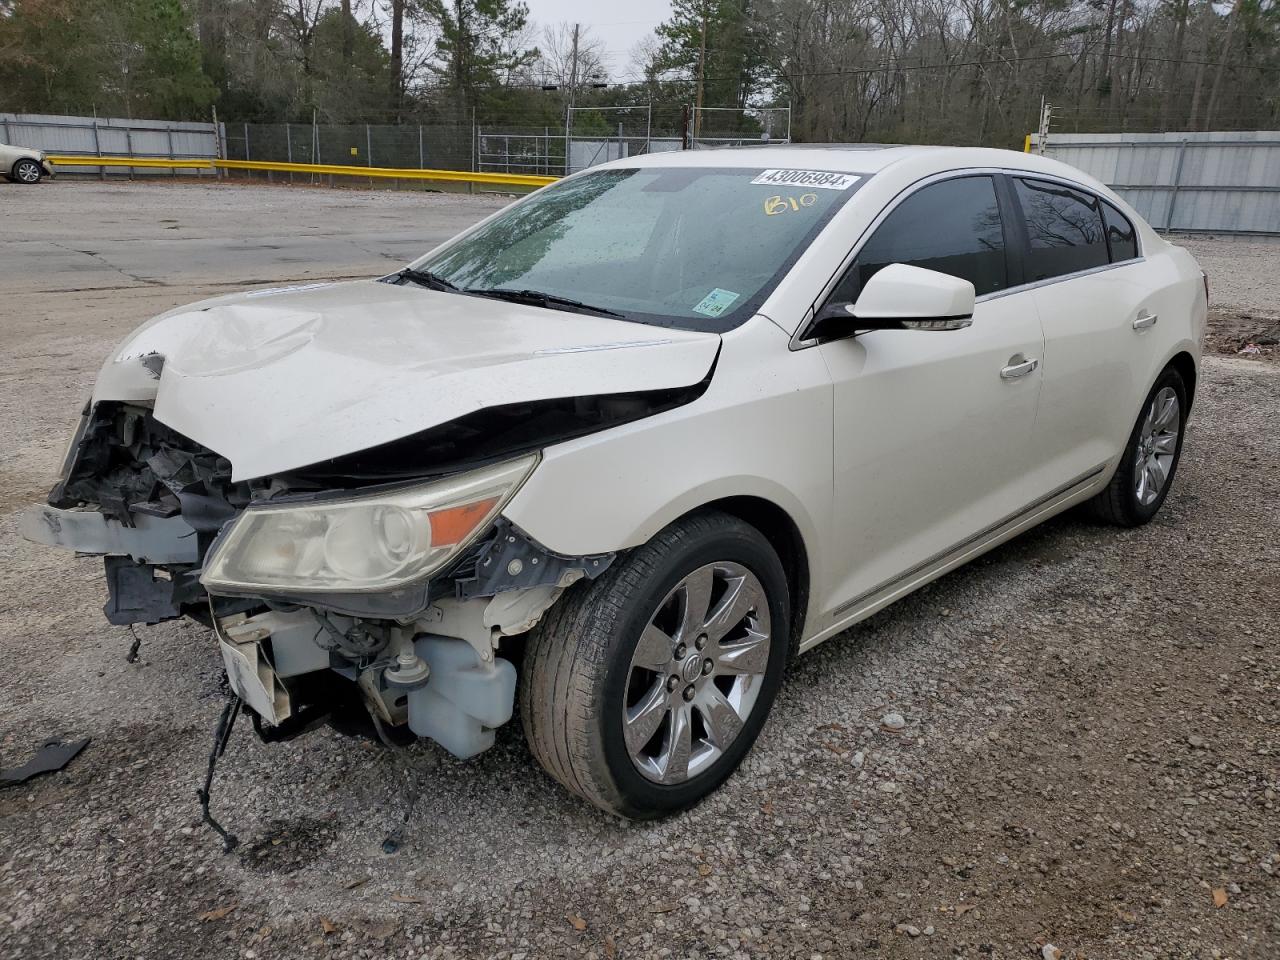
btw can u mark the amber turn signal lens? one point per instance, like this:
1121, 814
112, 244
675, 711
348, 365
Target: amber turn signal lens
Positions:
454, 524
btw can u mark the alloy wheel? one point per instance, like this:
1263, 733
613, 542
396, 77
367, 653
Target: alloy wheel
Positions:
27, 171
696, 672
1157, 445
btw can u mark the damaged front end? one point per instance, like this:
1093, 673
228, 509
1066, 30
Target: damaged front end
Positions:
318, 474
147, 499
365, 579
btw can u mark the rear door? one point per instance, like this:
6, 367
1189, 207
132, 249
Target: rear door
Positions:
933, 429
1095, 297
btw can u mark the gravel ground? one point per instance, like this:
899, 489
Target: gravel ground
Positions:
1244, 315
1089, 757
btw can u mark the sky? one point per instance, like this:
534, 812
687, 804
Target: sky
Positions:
620, 24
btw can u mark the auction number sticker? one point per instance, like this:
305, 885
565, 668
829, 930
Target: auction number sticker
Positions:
821, 179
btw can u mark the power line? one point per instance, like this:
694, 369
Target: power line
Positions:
897, 64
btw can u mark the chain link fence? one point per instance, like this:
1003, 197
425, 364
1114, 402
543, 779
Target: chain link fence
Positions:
533, 150
400, 146
585, 137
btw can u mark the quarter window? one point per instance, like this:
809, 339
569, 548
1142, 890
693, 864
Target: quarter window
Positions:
1120, 234
1064, 227
953, 227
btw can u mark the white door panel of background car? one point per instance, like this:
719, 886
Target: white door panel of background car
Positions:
933, 429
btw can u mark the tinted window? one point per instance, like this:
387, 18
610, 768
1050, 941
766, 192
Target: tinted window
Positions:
953, 227
1065, 227
1124, 243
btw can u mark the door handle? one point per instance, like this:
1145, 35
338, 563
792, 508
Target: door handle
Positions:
1145, 320
1018, 367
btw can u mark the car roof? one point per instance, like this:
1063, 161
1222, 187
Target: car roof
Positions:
863, 158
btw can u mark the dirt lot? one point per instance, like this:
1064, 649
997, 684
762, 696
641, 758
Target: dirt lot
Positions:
1091, 759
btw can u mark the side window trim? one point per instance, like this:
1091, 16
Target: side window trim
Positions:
1020, 219
1003, 180
1016, 240
855, 251
1024, 238
1137, 238
1028, 178
832, 282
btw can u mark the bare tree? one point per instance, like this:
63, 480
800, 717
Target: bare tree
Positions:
555, 63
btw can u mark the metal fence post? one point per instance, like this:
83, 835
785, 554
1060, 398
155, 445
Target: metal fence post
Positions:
246, 147
169, 130
97, 148
1177, 182
568, 126
422, 157
128, 139
368, 151
288, 147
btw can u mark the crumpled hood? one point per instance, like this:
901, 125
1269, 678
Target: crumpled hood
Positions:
275, 380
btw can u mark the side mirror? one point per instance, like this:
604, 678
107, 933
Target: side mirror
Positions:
900, 297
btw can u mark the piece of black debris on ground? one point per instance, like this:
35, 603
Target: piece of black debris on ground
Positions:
52, 755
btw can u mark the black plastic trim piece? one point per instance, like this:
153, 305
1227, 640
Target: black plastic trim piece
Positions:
512, 560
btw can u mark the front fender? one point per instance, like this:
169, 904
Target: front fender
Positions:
762, 429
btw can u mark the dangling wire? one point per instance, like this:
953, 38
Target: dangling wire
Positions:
132, 655
221, 735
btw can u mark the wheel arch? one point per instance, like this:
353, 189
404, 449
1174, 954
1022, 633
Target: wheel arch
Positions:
1185, 364
783, 534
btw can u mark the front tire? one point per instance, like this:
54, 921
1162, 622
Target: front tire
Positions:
27, 171
643, 690
1145, 473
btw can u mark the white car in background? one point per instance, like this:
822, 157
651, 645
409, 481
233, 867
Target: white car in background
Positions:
23, 164
628, 445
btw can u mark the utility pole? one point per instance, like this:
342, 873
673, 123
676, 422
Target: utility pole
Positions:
1046, 115
702, 69
573, 86
573, 67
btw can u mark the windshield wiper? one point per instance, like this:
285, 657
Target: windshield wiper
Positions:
537, 298
424, 278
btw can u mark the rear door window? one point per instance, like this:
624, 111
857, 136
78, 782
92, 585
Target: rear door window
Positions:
1064, 227
952, 227
1120, 234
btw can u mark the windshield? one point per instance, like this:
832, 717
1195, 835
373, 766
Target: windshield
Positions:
692, 247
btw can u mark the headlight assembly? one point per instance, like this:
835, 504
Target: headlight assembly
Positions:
361, 544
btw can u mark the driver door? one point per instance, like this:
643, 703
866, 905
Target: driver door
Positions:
933, 429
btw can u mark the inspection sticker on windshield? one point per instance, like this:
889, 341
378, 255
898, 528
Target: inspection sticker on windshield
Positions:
715, 303
807, 178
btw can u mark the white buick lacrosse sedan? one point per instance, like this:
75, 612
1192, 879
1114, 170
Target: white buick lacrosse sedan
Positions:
627, 446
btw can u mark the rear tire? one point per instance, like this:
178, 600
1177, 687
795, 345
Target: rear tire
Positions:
27, 171
643, 690
1150, 459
